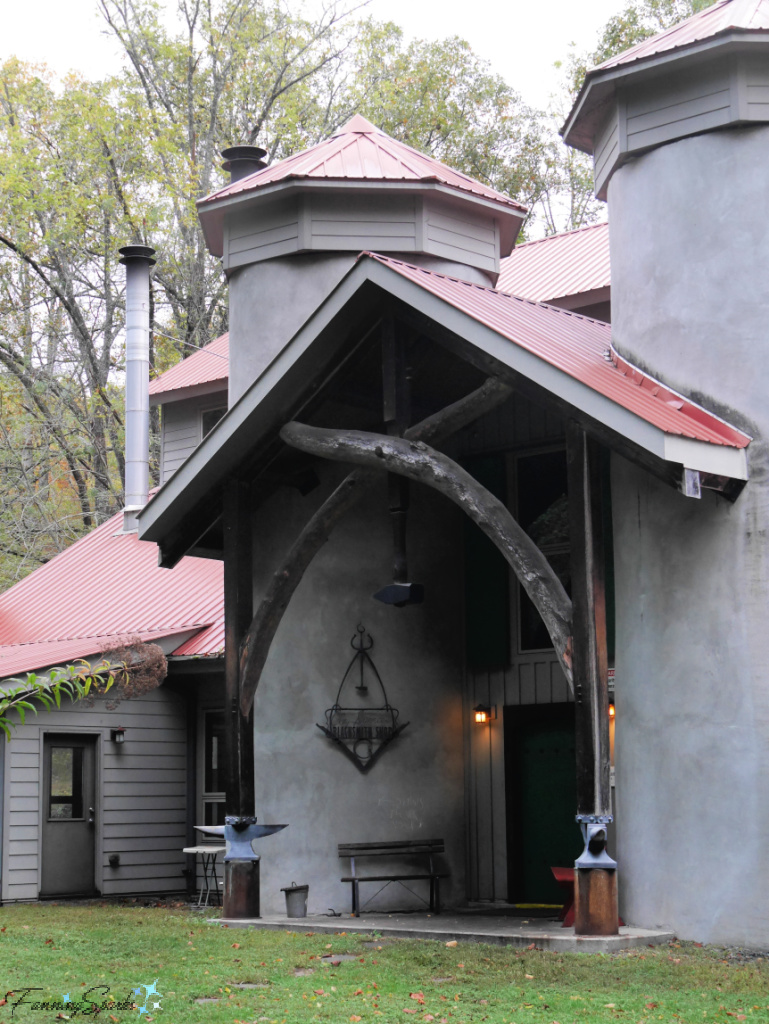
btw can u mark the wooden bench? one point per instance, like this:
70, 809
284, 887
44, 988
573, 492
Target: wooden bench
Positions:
420, 850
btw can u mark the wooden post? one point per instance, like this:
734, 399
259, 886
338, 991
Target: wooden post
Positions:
241, 880
238, 608
595, 873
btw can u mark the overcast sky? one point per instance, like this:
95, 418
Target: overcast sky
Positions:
521, 39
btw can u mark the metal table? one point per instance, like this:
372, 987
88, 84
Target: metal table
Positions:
208, 854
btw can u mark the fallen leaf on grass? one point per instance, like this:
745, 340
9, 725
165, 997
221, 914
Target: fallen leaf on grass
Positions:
530, 977
408, 1011
451, 944
651, 1006
532, 946
235, 945
358, 992
319, 992
419, 996
355, 1017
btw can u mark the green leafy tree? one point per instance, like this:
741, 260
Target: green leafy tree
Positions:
21, 696
567, 200
87, 167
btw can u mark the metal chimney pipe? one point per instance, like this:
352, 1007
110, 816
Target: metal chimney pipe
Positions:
241, 161
137, 259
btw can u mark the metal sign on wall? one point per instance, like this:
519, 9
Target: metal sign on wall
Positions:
358, 723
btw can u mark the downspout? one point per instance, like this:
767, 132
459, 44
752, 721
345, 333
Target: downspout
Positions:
137, 259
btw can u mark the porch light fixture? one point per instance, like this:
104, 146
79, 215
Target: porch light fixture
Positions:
482, 714
117, 735
612, 712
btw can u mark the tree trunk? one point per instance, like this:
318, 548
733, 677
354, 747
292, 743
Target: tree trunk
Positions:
258, 640
419, 462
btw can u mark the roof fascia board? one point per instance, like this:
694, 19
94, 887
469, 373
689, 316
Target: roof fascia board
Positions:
598, 88
720, 460
360, 185
251, 414
213, 387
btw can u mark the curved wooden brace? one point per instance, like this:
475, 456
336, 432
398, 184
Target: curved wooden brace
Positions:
258, 640
425, 465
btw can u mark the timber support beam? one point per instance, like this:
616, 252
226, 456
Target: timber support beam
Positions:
595, 875
261, 632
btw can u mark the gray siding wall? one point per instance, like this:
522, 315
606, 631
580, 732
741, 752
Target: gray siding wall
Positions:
756, 89
652, 112
390, 223
254, 235
141, 795
466, 239
381, 223
181, 429
606, 152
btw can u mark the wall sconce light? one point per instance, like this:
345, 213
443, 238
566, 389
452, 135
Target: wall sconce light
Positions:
612, 712
117, 735
483, 714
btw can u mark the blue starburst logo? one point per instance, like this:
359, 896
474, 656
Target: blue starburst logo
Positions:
149, 998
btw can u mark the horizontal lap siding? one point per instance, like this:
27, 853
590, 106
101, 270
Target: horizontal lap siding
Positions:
756, 97
271, 231
363, 222
606, 153
143, 786
474, 242
180, 434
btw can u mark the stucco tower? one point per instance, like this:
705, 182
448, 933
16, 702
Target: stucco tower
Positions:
679, 130
289, 233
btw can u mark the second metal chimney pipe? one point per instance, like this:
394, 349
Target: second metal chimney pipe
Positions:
137, 259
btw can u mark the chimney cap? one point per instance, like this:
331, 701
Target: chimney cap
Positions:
243, 160
133, 253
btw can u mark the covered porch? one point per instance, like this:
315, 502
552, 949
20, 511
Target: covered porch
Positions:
399, 353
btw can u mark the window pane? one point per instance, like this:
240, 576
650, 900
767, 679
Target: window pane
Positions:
66, 783
210, 418
214, 744
61, 771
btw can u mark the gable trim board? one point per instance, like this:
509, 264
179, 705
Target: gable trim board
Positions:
310, 353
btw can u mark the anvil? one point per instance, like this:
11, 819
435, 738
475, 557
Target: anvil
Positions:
239, 837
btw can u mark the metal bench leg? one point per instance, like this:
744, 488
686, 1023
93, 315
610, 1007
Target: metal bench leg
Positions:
437, 895
355, 900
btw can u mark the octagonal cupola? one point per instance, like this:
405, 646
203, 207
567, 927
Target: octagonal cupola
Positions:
360, 190
707, 73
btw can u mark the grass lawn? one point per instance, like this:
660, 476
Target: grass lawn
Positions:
96, 952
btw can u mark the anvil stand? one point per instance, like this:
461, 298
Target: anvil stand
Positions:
241, 866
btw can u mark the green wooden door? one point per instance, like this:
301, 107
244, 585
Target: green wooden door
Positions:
540, 782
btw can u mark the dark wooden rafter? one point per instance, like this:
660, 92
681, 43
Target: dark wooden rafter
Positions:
419, 462
259, 636
238, 601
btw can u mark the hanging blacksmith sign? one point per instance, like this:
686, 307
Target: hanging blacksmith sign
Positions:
362, 722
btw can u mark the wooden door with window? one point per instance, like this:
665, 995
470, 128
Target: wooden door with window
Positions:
69, 815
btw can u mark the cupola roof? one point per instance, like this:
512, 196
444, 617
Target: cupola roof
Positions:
360, 152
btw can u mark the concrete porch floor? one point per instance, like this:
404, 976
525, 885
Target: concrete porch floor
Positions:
467, 926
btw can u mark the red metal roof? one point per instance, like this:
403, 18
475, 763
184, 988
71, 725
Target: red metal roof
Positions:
578, 346
551, 268
742, 15
208, 365
361, 152
105, 587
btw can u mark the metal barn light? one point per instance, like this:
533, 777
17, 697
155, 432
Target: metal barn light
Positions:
481, 714
118, 735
